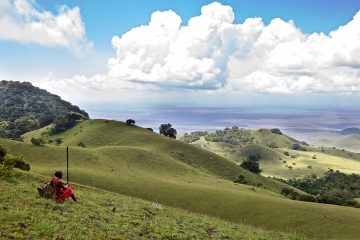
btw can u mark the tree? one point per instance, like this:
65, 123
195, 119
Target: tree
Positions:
252, 166
167, 130
130, 122
163, 128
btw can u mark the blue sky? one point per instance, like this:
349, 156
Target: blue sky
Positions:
82, 56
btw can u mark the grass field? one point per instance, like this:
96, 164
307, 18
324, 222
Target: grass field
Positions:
139, 163
105, 215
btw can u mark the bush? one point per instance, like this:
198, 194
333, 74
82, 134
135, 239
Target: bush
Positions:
17, 162
58, 141
307, 198
286, 153
241, 180
9, 162
273, 145
290, 193
37, 141
81, 144
251, 166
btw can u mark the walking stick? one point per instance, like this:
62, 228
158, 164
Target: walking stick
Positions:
67, 165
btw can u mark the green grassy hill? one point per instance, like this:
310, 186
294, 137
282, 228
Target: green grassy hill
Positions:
106, 215
266, 137
271, 147
136, 162
113, 138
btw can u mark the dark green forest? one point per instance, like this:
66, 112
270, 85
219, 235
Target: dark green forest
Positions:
24, 107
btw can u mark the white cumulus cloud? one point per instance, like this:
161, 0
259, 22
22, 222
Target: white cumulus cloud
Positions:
21, 21
211, 52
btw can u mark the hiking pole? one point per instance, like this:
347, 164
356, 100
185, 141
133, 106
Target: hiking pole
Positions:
67, 165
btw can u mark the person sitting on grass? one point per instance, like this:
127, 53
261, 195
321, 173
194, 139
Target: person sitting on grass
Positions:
56, 189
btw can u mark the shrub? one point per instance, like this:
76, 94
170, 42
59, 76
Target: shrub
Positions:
241, 180
290, 193
273, 145
286, 153
314, 157
306, 198
252, 166
17, 162
58, 141
9, 162
37, 141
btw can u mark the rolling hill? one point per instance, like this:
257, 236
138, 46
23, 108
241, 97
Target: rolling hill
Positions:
137, 162
275, 152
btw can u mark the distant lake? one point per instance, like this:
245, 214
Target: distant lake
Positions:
190, 119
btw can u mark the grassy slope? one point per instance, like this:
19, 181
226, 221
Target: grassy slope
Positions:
149, 166
266, 137
272, 159
107, 215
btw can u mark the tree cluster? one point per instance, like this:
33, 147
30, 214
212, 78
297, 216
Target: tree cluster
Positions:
234, 135
333, 187
24, 108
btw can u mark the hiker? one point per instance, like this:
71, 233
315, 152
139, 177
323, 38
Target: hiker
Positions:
56, 189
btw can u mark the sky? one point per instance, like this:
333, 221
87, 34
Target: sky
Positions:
192, 53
